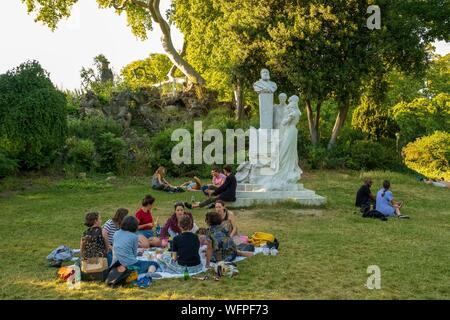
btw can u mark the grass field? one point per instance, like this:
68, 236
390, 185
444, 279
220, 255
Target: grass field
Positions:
324, 253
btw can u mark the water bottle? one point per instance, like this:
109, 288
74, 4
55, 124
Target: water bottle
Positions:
158, 230
186, 274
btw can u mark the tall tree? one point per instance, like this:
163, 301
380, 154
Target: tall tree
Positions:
141, 14
223, 47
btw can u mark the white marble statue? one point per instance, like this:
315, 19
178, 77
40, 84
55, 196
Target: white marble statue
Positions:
289, 171
278, 110
265, 90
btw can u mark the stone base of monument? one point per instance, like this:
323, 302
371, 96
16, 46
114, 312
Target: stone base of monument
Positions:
251, 194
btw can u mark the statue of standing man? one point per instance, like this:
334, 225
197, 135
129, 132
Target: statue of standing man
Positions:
265, 89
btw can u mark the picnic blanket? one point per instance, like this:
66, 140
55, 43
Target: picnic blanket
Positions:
165, 274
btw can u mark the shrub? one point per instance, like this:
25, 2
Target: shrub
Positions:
422, 116
33, 123
93, 127
370, 155
7, 166
430, 155
112, 153
374, 120
81, 154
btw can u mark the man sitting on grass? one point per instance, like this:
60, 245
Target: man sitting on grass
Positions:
364, 196
226, 192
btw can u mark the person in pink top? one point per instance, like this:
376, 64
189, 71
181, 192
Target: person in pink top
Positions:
218, 178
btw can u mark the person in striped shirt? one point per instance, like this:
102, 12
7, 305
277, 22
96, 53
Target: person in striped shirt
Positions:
111, 226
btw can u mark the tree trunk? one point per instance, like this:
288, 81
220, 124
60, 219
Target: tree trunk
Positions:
340, 120
171, 74
239, 101
166, 40
313, 122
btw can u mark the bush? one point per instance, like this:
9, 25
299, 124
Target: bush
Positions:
374, 120
430, 155
112, 153
7, 166
33, 123
81, 154
370, 155
422, 116
93, 127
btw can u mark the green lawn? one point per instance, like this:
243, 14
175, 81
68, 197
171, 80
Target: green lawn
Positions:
324, 253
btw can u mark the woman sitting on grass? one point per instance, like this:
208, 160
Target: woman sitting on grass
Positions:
93, 243
125, 248
111, 226
185, 250
159, 182
220, 246
386, 204
228, 218
145, 227
172, 227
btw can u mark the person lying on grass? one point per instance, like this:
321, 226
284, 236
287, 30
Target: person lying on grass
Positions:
93, 244
220, 246
145, 228
185, 249
172, 227
192, 185
386, 204
125, 248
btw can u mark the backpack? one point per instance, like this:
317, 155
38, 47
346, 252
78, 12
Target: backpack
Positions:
260, 239
374, 214
116, 278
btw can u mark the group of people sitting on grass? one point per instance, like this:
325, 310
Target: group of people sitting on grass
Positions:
383, 202
120, 237
223, 186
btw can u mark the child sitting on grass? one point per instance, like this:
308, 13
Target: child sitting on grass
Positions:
185, 250
125, 248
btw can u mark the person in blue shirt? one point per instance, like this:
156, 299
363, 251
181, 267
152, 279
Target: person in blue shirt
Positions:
386, 204
125, 247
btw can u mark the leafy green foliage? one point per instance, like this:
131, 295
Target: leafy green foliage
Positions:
93, 127
374, 120
7, 165
32, 116
422, 116
430, 155
96, 143
81, 153
145, 73
370, 155
112, 151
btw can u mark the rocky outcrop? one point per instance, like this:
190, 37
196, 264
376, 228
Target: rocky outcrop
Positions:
148, 109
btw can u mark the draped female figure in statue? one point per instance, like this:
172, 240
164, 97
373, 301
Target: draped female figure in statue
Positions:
289, 172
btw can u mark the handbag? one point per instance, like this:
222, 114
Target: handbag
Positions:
94, 265
94, 269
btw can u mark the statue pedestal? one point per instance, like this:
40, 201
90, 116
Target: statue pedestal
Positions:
266, 110
252, 194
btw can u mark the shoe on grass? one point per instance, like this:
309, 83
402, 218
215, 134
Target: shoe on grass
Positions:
188, 205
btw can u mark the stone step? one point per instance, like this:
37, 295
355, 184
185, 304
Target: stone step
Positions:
275, 194
260, 188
